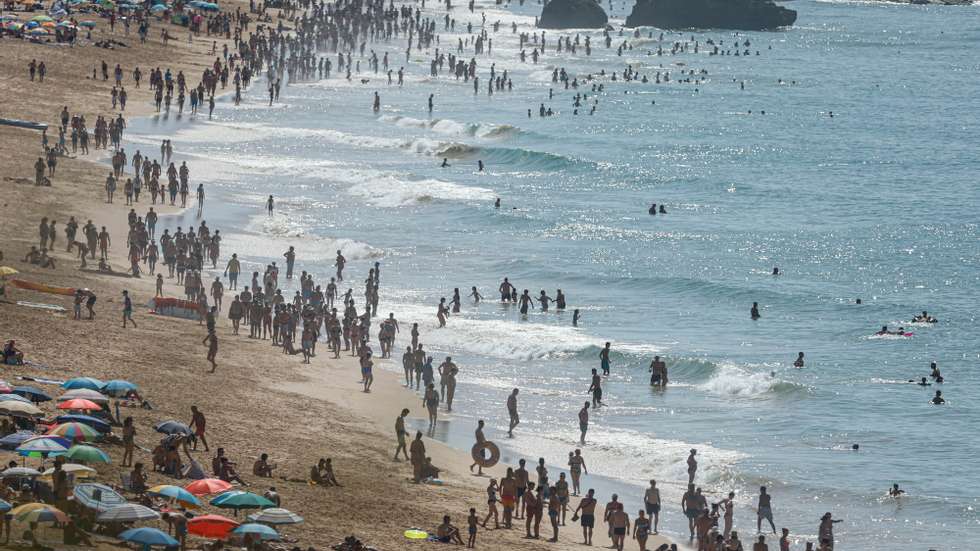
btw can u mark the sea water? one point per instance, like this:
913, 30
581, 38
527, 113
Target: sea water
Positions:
878, 202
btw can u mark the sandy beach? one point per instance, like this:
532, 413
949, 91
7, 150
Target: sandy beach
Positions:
258, 400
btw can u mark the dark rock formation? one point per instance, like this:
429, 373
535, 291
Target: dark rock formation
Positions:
572, 14
746, 15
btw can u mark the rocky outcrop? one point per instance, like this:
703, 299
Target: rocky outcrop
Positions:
572, 14
746, 15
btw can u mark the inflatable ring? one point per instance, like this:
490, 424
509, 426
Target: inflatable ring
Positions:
477, 454
415, 534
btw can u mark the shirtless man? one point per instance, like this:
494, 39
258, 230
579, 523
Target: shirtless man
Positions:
444, 369
595, 388
692, 466
658, 372
198, 424
587, 507
401, 434
583, 422
765, 510
525, 302
651, 501
515, 419
408, 365
480, 439
761, 544
521, 477
619, 522
340, 263
508, 493
604, 358
689, 504
505, 290
212, 341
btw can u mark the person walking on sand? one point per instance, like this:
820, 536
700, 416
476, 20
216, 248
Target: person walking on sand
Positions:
492, 505
212, 341
198, 424
128, 309
431, 403
651, 501
480, 440
417, 454
515, 418
401, 434
587, 506
576, 465
583, 422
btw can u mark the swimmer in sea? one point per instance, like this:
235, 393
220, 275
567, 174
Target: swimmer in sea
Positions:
923, 382
799, 361
938, 398
662, 209
924, 318
445, 163
476, 296
479, 166
524, 302
505, 290
575, 316
755, 311
884, 331
935, 374
653, 209
559, 300
775, 270
604, 358
895, 491
496, 203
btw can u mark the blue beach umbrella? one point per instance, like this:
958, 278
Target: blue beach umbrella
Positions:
175, 493
90, 383
4, 506
33, 394
148, 537
11, 441
118, 387
41, 445
173, 427
260, 530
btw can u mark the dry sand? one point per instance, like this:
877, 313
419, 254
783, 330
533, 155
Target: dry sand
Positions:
259, 400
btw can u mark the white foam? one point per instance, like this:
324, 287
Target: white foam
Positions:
386, 190
733, 380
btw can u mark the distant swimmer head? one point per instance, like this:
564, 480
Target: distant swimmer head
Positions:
858, 301
855, 447
775, 270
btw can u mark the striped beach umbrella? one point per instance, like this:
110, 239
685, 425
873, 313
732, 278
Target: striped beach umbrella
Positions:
41, 445
276, 516
130, 512
45, 513
260, 531
118, 387
98, 496
76, 432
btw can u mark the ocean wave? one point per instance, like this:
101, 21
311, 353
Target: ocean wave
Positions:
267, 238
733, 380
387, 190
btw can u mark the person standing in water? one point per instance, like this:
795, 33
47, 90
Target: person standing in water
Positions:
524, 302
340, 263
604, 358
270, 205
505, 290
515, 419
651, 502
596, 389
765, 510
583, 422
476, 296
692, 466
755, 311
